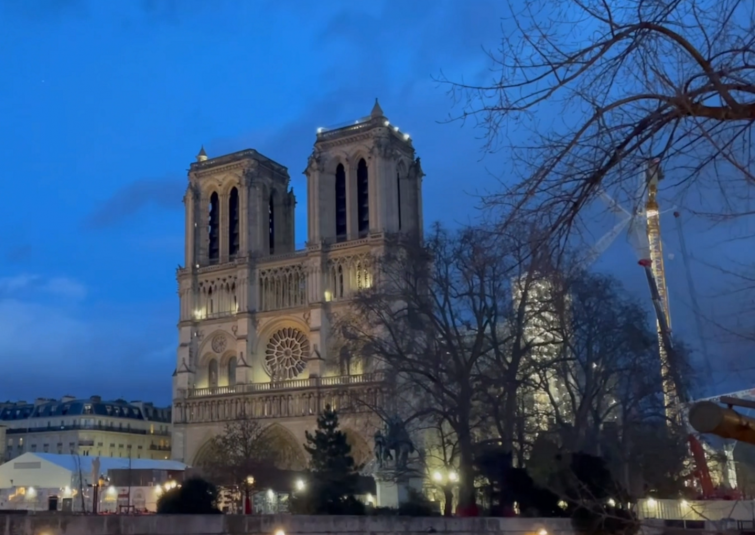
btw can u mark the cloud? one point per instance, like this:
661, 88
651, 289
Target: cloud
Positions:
29, 284
19, 254
114, 351
128, 201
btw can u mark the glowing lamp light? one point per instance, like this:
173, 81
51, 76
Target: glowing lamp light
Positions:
542, 532
111, 490
280, 532
270, 494
684, 503
453, 476
299, 484
651, 502
611, 502
250, 480
370, 498
437, 476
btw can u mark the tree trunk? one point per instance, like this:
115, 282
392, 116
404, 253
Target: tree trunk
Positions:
466, 469
448, 499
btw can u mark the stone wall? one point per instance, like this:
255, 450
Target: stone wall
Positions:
56, 524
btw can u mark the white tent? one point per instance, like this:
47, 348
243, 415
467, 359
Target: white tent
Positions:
49, 470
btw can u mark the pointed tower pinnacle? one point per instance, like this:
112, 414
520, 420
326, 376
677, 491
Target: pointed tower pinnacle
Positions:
202, 156
377, 111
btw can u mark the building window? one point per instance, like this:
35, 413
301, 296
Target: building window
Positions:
363, 198
271, 221
340, 203
233, 222
232, 371
214, 228
212, 373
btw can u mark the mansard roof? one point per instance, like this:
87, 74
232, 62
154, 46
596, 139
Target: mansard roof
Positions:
69, 406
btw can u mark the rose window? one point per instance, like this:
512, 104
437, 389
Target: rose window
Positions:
285, 354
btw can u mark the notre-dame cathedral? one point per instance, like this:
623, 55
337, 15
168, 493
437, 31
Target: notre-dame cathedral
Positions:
255, 313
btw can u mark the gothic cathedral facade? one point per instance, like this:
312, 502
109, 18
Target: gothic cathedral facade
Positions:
255, 313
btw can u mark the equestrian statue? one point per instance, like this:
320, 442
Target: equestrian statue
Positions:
394, 438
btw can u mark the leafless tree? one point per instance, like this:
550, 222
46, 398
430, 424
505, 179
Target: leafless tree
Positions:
603, 85
609, 358
440, 322
237, 453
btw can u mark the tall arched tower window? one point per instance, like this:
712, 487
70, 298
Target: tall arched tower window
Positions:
214, 228
340, 203
271, 221
363, 198
233, 222
232, 371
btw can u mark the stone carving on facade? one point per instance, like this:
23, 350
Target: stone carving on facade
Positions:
382, 147
286, 353
283, 287
234, 329
219, 343
307, 316
415, 170
348, 274
315, 162
393, 438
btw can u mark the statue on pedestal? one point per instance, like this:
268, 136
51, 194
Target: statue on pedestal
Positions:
395, 439
394, 478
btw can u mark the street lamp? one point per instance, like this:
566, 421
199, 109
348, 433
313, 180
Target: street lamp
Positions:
299, 485
247, 492
446, 481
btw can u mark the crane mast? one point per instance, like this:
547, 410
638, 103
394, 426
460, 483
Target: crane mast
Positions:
656, 271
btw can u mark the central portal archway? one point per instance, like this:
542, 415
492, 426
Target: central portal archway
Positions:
288, 454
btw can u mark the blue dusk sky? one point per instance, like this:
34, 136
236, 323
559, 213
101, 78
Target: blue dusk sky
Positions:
104, 104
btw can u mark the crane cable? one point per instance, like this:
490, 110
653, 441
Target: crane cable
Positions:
692, 292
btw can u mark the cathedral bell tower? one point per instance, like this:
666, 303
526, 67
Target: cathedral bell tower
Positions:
363, 179
239, 210
364, 183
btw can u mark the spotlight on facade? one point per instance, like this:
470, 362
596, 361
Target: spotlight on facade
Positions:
270, 494
299, 484
651, 502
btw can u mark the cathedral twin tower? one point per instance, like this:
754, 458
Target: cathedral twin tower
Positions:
255, 313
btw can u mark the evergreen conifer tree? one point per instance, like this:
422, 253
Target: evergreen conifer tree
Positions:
334, 472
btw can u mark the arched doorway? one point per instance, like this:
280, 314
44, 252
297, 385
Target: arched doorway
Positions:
288, 453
